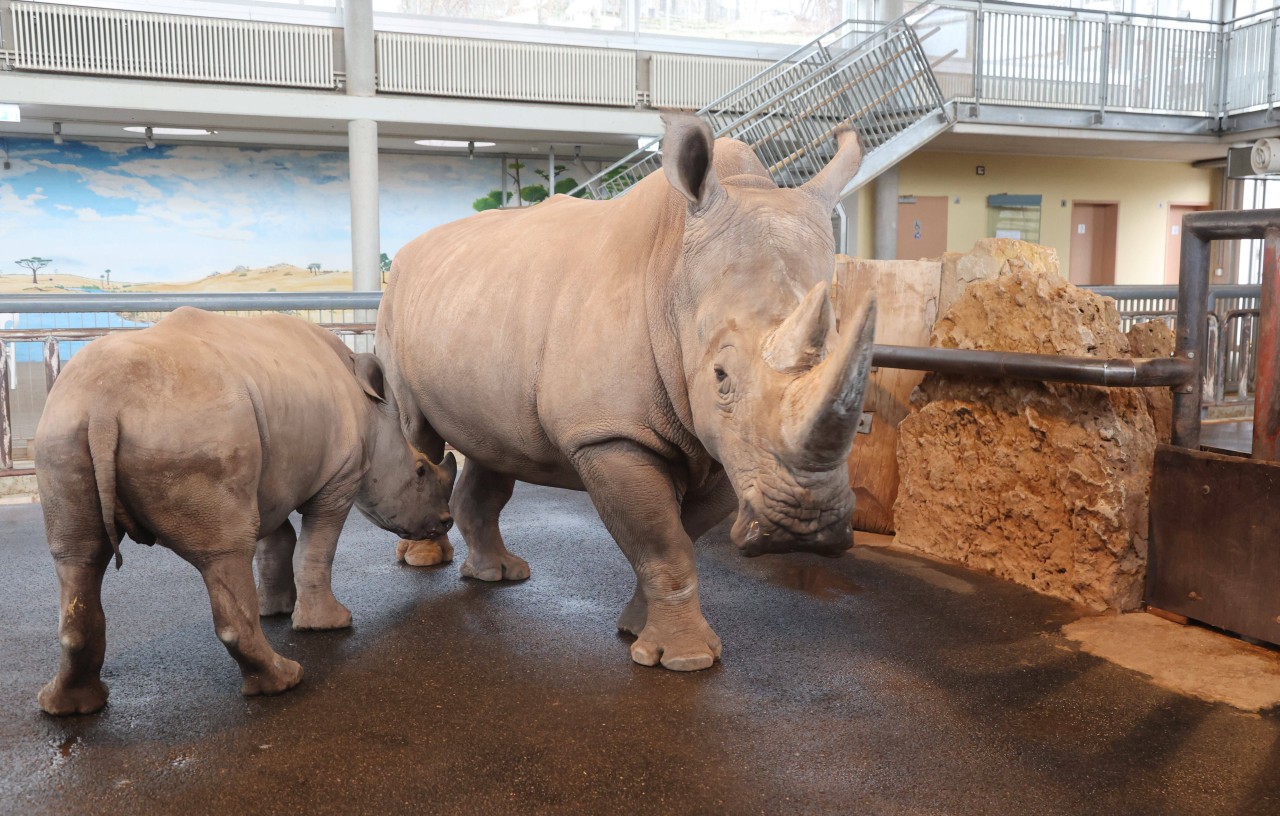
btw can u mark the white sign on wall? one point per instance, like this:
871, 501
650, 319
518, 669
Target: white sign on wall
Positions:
10, 113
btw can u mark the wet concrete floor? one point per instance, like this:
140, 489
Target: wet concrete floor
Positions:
877, 683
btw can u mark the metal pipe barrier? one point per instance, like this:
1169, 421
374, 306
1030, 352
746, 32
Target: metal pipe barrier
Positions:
347, 314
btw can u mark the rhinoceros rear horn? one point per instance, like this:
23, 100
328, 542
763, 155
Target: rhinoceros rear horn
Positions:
821, 410
799, 341
831, 180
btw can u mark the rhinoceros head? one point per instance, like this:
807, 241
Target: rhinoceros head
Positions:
403, 492
775, 370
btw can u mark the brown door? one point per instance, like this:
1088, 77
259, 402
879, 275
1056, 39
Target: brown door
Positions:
1093, 243
922, 227
1173, 238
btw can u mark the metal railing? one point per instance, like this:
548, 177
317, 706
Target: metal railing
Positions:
39, 333
1232, 329
984, 52
108, 42
875, 77
44, 331
488, 69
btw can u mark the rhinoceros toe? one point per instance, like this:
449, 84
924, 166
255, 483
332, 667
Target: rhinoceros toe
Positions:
681, 651
504, 567
283, 675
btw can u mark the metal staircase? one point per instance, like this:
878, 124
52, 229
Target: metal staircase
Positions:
875, 76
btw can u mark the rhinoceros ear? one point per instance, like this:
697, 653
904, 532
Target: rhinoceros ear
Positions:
369, 373
686, 160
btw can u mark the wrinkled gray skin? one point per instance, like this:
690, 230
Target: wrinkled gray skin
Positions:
673, 352
203, 433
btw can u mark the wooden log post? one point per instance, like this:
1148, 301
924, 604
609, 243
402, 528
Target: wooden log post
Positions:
907, 306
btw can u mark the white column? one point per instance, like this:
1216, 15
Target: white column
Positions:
886, 215
850, 203
362, 150
357, 46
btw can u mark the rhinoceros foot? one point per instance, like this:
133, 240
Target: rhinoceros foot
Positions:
426, 552
503, 566
277, 601
677, 649
325, 613
283, 675
61, 701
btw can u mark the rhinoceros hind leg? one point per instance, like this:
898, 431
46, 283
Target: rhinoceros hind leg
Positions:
477, 502
77, 688
274, 559
229, 579
633, 490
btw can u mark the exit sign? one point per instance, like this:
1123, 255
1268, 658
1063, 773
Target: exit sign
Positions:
10, 113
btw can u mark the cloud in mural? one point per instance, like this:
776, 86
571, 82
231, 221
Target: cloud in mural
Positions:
184, 212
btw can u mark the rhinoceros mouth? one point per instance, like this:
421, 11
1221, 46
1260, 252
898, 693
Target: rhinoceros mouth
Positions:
755, 535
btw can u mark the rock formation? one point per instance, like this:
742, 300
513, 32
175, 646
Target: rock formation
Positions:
1045, 484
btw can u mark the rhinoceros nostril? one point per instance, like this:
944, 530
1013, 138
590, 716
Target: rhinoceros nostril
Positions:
446, 521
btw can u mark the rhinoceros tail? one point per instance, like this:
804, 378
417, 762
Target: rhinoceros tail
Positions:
104, 434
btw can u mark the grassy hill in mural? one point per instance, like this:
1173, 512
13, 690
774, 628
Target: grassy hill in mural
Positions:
276, 278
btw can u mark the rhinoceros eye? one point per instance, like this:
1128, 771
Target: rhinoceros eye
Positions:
421, 469
720, 375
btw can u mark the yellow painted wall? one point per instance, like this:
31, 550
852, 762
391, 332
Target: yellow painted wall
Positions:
1144, 190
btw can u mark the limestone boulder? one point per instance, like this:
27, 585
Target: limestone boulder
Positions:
1044, 484
990, 258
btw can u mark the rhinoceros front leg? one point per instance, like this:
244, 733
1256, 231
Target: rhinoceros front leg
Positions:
477, 502
317, 608
633, 492
274, 559
701, 510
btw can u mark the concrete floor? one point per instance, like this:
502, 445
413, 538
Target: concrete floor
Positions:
877, 683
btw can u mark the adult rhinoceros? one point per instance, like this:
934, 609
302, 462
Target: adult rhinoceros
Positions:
674, 352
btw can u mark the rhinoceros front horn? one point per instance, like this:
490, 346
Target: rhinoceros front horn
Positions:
820, 409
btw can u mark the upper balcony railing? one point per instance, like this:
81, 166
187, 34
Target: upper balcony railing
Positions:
983, 52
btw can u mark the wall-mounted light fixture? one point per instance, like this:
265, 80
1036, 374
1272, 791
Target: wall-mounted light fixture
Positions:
57, 133
468, 144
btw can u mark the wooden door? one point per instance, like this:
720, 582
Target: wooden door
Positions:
1173, 238
1093, 243
922, 227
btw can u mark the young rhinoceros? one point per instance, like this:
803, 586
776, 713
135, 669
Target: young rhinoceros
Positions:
204, 432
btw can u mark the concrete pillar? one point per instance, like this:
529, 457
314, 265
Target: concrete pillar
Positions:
362, 150
357, 46
850, 203
886, 216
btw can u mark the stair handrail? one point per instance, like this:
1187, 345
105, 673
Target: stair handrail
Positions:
650, 148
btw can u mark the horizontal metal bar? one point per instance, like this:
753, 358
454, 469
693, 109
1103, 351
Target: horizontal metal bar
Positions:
1124, 372
1170, 291
1226, 225
214, 302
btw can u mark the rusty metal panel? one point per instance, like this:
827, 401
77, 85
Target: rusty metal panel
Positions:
1215, 541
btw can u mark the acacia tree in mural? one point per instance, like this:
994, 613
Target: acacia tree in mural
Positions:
529, 194
313, 268
34, 264
384, 261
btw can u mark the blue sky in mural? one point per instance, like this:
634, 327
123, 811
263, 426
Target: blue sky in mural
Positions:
183, 212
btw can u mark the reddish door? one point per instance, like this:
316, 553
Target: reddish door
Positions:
922, 227
1093, 243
